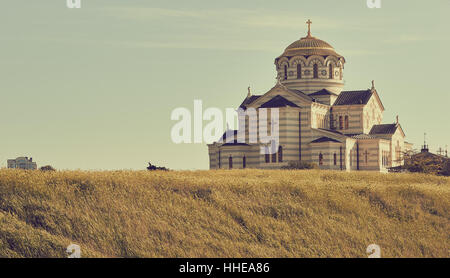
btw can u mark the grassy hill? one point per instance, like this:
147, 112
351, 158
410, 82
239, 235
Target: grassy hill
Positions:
239, 213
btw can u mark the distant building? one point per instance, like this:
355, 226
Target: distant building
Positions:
22, 163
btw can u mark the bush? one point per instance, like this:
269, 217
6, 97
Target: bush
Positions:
155, 168
47, 168
299, 165
446, 168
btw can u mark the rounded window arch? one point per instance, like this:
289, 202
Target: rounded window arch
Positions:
331, 71
244, 162
285, 72
315, 71
320, 159
280, 154
230, 162
299, 71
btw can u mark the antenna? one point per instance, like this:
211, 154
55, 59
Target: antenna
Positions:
425, 146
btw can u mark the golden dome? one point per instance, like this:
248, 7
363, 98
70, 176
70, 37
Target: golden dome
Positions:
308, 46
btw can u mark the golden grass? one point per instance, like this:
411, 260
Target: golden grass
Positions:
239, 213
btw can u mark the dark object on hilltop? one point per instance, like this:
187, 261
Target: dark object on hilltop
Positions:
47, 168
156, 168
300, 165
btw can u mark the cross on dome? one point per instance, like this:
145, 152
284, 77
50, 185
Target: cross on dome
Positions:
309, 27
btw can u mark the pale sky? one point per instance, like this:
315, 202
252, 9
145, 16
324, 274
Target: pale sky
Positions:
94, 88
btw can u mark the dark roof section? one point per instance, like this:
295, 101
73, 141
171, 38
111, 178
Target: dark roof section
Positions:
230, 133
235, 144
363, 136
383, 129
249, 100
325, 139
323, 92
353, 97
332, 130
278, 101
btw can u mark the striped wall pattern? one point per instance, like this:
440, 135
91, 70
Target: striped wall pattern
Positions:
299, 126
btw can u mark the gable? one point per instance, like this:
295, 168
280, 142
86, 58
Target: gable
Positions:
278, 101
248, 100
297, 97
325, 139
377, 97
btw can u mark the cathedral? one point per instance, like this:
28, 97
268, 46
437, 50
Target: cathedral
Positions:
318, 121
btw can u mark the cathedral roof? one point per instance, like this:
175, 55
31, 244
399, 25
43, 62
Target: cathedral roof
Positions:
353, 97
362, 136
249, 100
325, 139
235, 144
229, 134
384, 129
278, 101
323, 92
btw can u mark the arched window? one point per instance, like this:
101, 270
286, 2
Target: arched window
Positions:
335, 159
244, 162
266, 154
341, 122
280, 154
331, 69
219, 161
274, 157
285, 72
346, 122
320, 159
230, 162
299, 71
316, 71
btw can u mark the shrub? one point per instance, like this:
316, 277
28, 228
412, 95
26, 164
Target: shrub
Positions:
299, 165
155, 168
47, 168
446, 168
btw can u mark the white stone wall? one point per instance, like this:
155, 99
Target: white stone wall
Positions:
371, 115
355, 119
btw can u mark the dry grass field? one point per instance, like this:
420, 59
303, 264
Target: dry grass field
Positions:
239, 213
